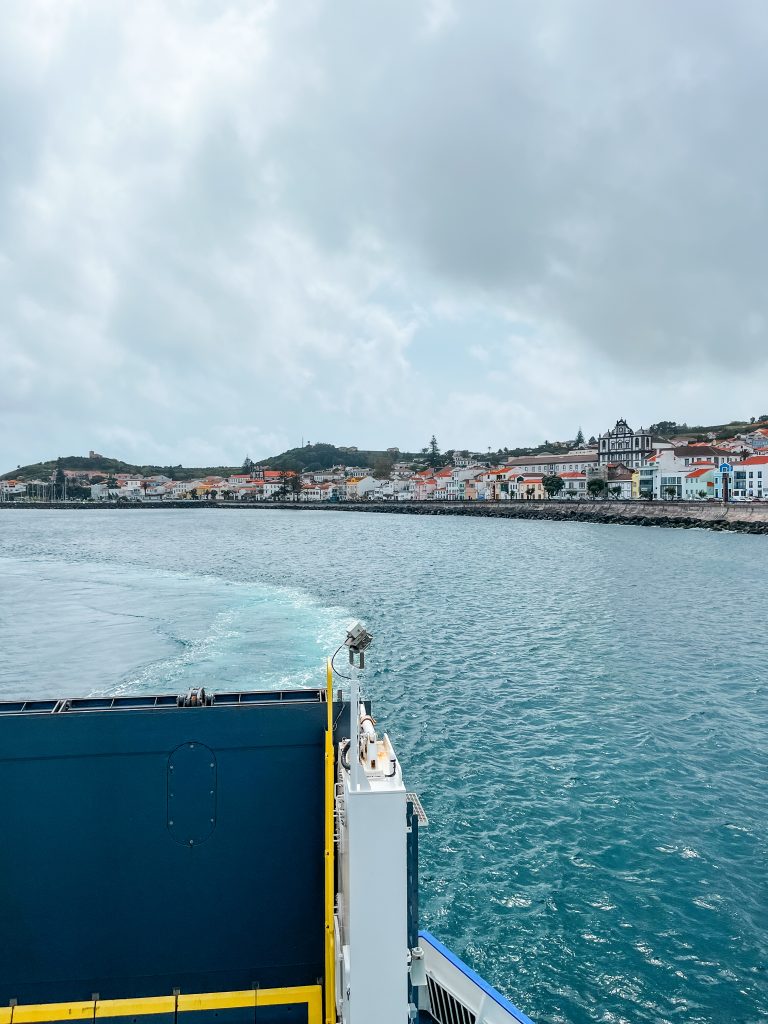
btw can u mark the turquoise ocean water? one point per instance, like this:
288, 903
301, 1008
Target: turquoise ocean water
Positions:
583, 709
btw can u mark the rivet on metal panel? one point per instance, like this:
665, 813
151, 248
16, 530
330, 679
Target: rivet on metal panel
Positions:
192, 793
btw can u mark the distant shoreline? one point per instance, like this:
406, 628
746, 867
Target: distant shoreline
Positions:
737, 518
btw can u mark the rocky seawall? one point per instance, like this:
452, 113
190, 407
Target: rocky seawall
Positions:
738, 518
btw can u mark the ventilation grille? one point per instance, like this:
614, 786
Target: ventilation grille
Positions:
446, 1008
421, 814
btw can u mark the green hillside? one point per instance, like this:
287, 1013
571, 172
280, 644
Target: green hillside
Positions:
323, 456
44, 470
314, 457
669, 428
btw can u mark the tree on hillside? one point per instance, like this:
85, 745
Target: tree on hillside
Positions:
382, 467
552, 485
285, 490
592, 440
248, 464
432, 451
666, 427
579, 437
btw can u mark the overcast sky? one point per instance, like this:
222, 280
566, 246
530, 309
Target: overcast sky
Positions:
226, 225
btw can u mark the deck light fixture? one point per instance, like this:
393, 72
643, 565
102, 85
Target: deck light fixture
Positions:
358, 638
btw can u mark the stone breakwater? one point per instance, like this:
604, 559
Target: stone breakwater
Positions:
738, 518
683, 515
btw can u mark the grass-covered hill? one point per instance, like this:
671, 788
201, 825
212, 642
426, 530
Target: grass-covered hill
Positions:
314, 457
100, 464
669, 428
323, 456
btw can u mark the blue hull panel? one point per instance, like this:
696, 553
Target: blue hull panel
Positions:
159, 848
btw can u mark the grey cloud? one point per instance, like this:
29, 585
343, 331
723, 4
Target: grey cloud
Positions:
254, 212
601, 165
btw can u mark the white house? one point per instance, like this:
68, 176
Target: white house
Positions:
357, 487
556, 465
501, 484
456, 484
575, 485
700, 482
750, 478
757, 439
671, 467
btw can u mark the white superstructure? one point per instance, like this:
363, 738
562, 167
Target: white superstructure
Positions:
372, 919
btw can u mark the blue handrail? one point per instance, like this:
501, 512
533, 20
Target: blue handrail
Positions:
475, 978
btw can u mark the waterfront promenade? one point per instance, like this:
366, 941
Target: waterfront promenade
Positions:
740, 517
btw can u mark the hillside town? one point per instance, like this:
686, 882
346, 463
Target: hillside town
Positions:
621, 464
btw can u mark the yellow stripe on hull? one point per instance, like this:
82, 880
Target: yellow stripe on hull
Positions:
133, 1007
51, 1013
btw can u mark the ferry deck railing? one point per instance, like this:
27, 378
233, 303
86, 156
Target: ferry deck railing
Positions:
458, 995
